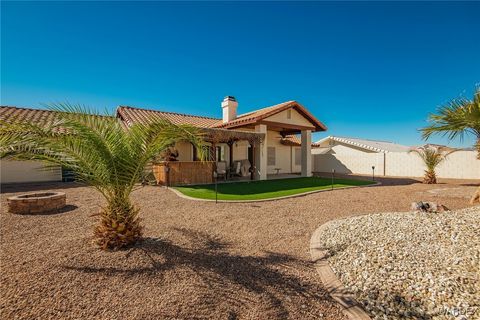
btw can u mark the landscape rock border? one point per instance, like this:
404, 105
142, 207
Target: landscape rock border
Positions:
346, 301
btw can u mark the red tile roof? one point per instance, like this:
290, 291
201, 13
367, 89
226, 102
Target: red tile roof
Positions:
132, 115
294, 140
129, 115
258, 115
39, 117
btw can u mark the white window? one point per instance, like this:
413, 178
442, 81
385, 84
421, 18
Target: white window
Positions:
298, 156
271, 156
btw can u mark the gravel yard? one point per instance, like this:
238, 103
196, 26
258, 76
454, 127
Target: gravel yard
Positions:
409, 265
200, 260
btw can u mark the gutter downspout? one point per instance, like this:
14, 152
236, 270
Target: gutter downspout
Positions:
384, 164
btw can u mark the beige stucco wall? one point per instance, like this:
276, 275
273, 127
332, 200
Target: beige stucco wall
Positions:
284, 155
458, 165
185, 151
27, 171
295, 119
240, 151
296, 168
346, 159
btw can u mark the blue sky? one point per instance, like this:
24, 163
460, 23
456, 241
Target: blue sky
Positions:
366, 69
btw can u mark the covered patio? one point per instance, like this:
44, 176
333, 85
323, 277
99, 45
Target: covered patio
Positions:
220, 159
257, 145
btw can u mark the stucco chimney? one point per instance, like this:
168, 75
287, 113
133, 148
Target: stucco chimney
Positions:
229, 106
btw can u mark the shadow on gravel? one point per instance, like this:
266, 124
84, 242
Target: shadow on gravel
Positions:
386, 181
226, 276
30, 187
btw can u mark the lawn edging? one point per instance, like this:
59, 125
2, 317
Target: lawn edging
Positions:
346, 301
182, 195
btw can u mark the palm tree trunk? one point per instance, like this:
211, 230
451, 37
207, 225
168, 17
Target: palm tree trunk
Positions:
430, 177
476, 195
477, 146
119, 225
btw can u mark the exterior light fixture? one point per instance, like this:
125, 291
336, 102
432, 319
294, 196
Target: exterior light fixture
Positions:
333, 177
373, 173
215, 176
166, 168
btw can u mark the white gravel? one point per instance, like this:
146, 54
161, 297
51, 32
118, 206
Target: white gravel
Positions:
410, 265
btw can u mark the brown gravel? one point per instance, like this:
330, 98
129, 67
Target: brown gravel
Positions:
199, 260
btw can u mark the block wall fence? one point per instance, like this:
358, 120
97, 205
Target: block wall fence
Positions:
458, 165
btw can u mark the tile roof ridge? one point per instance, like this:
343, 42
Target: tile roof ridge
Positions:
170, 112
26, 108
349, 138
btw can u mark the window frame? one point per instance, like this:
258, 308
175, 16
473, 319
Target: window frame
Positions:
299, 152
269, 156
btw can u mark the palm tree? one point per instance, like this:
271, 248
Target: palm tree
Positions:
456, 119
102, 153
432, 157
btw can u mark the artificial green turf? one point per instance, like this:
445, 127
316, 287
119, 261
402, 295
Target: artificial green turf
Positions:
267, 189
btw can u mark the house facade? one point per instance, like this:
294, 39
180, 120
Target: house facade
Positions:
271, 140
278, 149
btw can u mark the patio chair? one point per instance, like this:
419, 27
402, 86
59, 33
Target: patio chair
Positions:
245, 168
236, 169
222, 169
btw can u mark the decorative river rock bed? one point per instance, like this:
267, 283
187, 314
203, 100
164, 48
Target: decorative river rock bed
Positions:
34, 203
409, 265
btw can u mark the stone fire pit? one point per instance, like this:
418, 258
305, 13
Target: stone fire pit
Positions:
39, 202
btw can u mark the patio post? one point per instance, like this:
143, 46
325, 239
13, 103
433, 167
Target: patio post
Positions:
214, 146
230, 150
253, 166
261, 154
306, 153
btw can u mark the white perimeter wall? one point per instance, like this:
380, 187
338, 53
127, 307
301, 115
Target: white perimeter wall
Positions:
344, 159
27, 171
460, 165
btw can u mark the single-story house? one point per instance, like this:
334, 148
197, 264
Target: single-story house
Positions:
265, 139
12, 171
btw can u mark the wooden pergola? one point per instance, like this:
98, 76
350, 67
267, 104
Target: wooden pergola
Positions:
215, 136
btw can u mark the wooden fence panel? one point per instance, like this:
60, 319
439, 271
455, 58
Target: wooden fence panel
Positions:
184, 172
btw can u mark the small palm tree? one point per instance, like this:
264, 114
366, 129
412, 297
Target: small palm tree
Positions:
432, 157
455, 119
102, 153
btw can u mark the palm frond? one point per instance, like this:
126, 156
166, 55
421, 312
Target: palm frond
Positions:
456, 118
100, 151
433, 156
